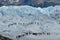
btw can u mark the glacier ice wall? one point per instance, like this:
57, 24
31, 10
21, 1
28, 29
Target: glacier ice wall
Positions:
17, 20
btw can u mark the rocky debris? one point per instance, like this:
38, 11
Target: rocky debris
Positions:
29, 33
4, 38
12, 24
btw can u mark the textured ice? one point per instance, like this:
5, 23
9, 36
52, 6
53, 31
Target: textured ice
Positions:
18, 20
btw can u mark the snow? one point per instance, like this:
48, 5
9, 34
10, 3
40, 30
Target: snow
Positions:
18, 20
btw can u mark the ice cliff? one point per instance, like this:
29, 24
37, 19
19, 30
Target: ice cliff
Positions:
19, 20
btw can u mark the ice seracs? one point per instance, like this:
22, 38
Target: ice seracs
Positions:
19, 20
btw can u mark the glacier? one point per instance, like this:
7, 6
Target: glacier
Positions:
19, 20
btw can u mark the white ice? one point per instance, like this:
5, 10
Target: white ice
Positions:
17, 20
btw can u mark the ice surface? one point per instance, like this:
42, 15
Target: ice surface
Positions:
18, 20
